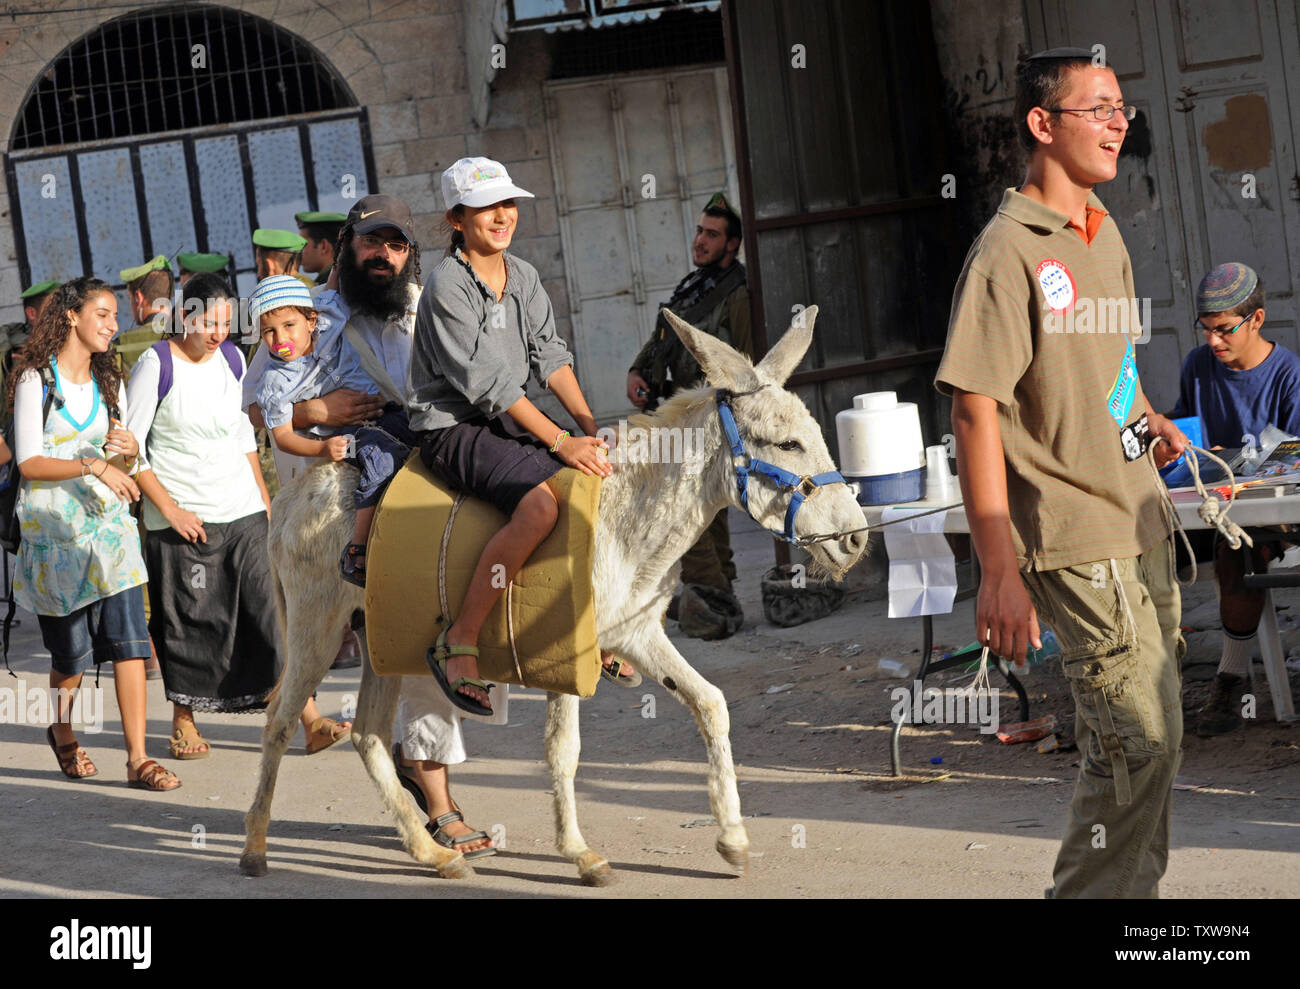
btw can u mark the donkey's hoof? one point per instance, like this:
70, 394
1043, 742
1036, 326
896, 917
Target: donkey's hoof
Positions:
456, 868
737, 856
594, 870
253, 864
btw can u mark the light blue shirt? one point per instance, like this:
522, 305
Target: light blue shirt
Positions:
390, 339
327, 368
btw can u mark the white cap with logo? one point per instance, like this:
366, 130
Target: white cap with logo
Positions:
479, 182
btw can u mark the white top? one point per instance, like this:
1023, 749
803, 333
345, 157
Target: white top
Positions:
197, 442
29, 431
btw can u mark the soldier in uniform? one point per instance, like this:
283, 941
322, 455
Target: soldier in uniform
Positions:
715, 299
192, 264
279, 252
321, 231
14, 335
149, 294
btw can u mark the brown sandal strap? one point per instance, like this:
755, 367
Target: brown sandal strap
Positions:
148, 773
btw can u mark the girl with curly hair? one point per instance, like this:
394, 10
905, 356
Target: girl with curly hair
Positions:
79, 565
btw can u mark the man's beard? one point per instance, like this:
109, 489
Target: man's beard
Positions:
383, 298
710, 261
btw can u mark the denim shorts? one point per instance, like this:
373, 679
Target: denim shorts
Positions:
103, 631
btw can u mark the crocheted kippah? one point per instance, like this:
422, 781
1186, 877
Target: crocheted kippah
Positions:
1225, 288
276, 292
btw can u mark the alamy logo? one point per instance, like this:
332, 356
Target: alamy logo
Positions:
949, 706
75, 943
1131, 317
658, 444
39, 706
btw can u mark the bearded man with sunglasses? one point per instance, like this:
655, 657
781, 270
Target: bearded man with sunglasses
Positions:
1237, 383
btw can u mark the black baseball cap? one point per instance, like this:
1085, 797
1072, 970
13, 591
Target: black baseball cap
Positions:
373, 212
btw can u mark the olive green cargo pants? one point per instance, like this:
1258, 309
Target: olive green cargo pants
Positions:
1118, 625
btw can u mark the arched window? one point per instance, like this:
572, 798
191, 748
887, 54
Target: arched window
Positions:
191, 65
178, 128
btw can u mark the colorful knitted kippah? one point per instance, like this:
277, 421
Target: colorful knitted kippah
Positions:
276, 292
1225, 288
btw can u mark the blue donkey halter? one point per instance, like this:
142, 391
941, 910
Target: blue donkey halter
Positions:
745, 465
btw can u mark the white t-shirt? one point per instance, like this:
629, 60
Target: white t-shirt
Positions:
197, 442
29, 430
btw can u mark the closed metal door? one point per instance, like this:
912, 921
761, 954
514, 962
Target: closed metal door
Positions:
635, 157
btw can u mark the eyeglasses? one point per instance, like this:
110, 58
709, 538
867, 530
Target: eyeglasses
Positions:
1221, 334
398, 247
1102, 111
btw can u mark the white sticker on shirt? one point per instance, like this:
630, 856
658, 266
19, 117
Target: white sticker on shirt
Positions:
1057, 284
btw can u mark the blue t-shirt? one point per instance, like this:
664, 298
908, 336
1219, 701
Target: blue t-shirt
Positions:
1231, 404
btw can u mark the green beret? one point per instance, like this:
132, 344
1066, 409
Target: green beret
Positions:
199, 263
306, 218
157, 263
40, 288
278, 240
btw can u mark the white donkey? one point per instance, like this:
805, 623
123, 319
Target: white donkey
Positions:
650, 514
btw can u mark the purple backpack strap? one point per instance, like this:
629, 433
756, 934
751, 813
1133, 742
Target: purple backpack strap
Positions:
164, 352
231, 353
228, 350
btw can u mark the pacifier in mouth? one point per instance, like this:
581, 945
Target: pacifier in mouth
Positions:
284, 351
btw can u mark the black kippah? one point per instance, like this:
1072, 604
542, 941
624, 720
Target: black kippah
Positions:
1060, 53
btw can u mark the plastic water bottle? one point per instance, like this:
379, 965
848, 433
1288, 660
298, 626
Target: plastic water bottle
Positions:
893, 668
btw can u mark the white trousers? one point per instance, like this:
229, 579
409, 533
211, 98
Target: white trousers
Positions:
428, 724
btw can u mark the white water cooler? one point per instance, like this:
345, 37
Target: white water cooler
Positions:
881, 452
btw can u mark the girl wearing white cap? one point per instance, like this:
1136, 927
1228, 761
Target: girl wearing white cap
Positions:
484, 323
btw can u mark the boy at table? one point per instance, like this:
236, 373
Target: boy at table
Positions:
1066, 519
1237, 383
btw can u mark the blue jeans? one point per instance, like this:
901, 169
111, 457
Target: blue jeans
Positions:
104, 631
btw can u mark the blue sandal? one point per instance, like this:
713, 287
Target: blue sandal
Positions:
437, 658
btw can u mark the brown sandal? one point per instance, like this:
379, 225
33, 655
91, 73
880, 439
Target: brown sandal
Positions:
149, 775
73, 760
183, 739
324, 733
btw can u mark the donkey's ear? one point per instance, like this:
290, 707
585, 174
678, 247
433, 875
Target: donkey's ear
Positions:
779, 362
722, 365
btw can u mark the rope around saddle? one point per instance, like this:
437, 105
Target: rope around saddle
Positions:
442, 585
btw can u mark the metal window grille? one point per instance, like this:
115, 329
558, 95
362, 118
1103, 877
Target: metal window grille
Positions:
136, 75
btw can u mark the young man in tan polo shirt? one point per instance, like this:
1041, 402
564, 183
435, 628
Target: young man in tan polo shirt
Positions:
1051, 426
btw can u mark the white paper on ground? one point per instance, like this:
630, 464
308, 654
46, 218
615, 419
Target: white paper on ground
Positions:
922, 570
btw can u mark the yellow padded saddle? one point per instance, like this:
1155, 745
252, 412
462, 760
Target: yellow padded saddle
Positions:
552, 614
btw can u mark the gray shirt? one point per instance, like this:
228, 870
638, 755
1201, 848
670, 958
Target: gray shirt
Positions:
472, 354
